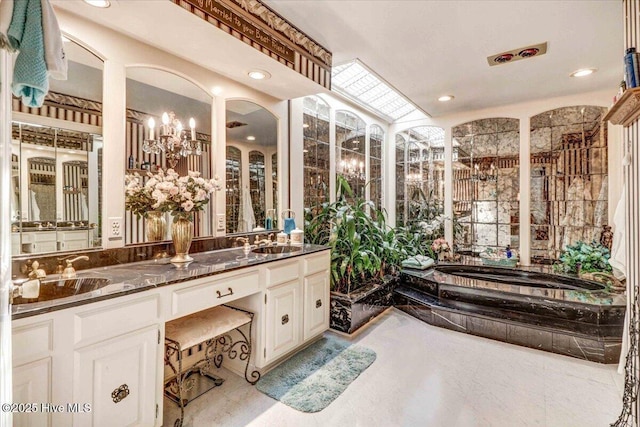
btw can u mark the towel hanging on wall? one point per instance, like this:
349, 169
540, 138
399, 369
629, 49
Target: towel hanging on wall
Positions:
54, 54
30, 77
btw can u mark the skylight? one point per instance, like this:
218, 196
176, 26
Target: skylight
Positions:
355, 81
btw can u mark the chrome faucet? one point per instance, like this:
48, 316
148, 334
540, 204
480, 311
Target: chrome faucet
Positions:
69, 272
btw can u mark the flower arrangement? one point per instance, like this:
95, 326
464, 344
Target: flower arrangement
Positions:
440, 245
168, 192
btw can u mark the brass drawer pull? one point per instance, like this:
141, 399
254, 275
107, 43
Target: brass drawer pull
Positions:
120, 393
220, 295
285, 319
318, 303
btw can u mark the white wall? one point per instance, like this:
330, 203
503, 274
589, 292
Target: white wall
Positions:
119, 52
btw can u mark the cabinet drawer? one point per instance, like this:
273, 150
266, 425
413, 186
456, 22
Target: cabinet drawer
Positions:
316, 263
282, 273
213, 292
115, 319
31, 342
73, 235
45, 236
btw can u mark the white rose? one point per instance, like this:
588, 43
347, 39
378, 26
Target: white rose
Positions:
187, 206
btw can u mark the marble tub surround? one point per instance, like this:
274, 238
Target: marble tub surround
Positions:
129, 254
138, 276
587, 324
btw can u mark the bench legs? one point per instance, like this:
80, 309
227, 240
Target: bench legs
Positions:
194, 381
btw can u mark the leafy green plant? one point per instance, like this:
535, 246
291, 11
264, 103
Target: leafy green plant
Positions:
584, 257
363, 248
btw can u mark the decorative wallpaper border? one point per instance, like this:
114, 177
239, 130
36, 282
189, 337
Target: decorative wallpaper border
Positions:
263, 29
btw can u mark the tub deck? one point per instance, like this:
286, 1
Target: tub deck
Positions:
549, 312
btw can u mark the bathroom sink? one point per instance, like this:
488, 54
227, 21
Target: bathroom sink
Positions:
276, 249
62, 288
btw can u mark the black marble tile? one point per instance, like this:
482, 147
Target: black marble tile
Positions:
449, 320
487, 328
581, 348
530, 337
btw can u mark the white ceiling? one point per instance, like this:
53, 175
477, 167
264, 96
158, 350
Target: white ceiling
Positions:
423, 48
431, 48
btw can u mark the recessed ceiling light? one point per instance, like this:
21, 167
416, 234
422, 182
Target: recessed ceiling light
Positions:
583, 72
259, 74
446, 98
99, 3
251, 138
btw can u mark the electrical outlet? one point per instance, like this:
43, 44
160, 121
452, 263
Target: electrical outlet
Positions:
115, 228
220, 222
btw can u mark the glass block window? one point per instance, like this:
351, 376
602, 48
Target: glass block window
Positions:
233, 187
316, 152
419, 174
351, 151
376, 139
569, 182
486, 185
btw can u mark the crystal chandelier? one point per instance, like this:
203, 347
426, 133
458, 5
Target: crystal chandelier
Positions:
414, 178
172, 139
351, 169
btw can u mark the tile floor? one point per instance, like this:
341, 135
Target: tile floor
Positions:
428, 376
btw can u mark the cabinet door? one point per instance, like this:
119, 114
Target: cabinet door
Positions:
32, 384
117, 378
284, 315
316, 304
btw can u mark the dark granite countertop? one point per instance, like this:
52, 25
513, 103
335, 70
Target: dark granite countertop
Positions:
139, 276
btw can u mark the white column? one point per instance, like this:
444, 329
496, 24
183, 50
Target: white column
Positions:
113, 157
5, 236
448, 184
525, 191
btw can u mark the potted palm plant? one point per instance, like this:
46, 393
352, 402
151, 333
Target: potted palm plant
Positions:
365, 255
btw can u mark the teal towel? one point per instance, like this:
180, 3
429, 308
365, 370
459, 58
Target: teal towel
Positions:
30, 79
418, 261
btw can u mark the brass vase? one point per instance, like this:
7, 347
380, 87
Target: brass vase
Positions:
156, 226
182, 234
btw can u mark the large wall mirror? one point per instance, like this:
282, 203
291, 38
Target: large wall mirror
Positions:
420, 176
56, 202
568, 179
486, 174
251, 166
150, 93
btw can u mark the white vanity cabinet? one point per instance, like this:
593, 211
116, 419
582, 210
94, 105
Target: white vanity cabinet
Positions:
72, 240
32, 371
39, 241
297, 303
108, 356
120, 376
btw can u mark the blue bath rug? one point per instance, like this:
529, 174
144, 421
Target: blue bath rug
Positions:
316, 376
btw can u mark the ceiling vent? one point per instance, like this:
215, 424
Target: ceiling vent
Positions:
235, 124
516, 54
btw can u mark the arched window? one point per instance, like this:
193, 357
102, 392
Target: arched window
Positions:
486, 182
316, 152
351, 151
568, 179
376, 144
